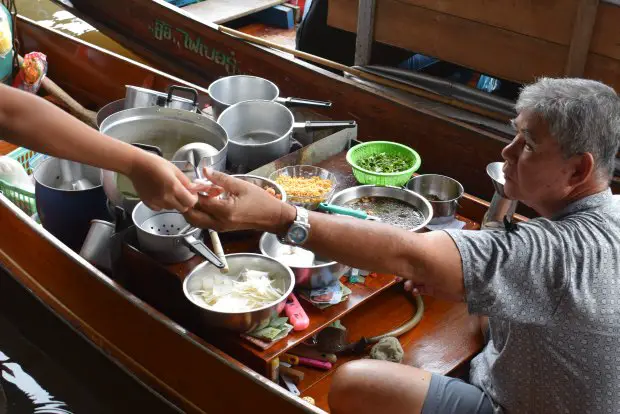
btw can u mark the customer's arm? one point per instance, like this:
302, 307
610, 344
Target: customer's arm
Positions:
429, 259
29, 121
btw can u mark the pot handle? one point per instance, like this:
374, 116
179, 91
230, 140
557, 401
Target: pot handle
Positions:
318, 125
198, 247
303, 102
189, 90
149, 148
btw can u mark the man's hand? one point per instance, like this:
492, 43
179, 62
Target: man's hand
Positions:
242, 206
160, 184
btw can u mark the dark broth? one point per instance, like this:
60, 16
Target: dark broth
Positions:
390, 211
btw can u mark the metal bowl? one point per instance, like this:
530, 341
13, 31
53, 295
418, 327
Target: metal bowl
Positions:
262, 182
239, 321
447, 190
307, 171
408, 196
321, 274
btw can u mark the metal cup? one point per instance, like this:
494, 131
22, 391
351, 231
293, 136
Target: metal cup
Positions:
96, 247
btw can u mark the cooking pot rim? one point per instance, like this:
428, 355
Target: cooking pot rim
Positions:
38, 182
222, 79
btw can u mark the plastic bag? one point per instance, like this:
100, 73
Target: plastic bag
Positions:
31, 73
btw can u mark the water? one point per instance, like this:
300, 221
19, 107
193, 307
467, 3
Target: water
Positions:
390, 211
50, 15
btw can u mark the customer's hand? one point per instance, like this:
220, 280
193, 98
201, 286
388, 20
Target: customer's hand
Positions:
160, 184
242, 206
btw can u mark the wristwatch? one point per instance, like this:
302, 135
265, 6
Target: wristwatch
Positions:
299, 232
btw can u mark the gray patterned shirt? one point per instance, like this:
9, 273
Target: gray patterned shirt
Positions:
551, 290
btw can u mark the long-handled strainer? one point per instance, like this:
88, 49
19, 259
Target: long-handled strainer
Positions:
159, 235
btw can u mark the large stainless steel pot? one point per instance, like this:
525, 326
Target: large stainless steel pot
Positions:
239, 321
262, 131
165, 128
230, 90
321, 273
398, 193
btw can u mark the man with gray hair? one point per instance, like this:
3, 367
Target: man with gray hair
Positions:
551, 289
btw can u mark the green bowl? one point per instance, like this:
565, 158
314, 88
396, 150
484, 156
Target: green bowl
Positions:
396, 179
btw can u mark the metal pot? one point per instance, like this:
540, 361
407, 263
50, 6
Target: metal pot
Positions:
230, 90
164, 236
321, 274
67, 213
109, 109
398, 193
136, 97
442, 192
262, 131
165, 128
240, 321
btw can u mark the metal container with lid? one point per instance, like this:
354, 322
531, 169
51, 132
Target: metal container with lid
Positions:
165, 128
137, 97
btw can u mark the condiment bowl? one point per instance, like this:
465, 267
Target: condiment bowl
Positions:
306, 171
323, 273
442, 192
263, 182
244, 321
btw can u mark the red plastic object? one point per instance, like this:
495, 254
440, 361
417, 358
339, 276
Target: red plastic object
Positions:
314, 363
296, 314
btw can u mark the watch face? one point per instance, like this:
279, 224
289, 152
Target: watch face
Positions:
298, 234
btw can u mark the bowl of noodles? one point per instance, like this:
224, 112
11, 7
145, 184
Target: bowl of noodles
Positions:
244, 299
305, 185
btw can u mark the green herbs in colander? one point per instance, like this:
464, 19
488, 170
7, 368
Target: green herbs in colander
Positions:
383, 162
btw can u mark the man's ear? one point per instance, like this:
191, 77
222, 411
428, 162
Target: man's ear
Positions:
583, 168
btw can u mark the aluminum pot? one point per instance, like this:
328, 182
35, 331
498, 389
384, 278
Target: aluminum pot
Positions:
442, 192
109, 109
408, 196
230, 90
164, 128
240, 321
67, 213
164, 236
136, 97
321, 274
262, 131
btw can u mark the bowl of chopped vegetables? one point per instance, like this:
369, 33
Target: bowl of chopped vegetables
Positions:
305, 185
383, 163
249, 297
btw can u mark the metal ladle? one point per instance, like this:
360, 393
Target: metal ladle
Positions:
73, 177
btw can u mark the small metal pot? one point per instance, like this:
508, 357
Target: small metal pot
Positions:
323, 273
161, 235
136, 97
230, 90
442, 192
240, 321
164, 128
67, 213
398, 193
262, 131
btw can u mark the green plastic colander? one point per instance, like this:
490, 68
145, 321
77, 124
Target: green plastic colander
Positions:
396, 179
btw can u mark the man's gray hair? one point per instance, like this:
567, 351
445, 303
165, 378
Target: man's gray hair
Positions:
583, 115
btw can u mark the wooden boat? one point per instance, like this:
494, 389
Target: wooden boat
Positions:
138, 318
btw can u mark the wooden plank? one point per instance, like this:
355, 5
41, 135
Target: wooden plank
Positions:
365, 32
582, 34
222, 11
495, 51
606, 36
528, 17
